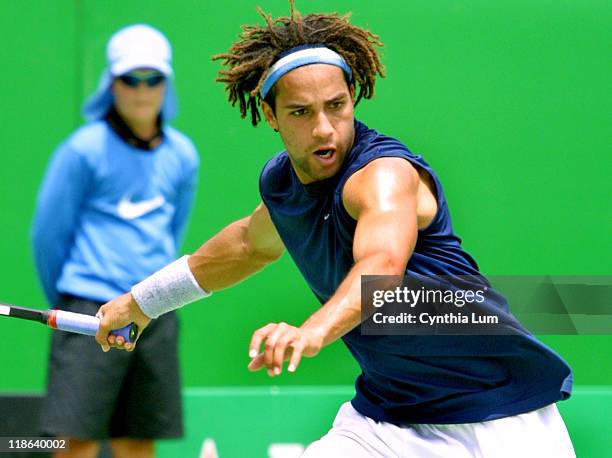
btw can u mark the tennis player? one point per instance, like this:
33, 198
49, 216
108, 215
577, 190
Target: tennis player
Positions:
345, 201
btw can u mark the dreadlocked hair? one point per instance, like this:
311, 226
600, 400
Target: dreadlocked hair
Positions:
258, 47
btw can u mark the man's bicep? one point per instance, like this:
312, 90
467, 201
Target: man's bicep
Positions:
390, 234
262, 236
383, 199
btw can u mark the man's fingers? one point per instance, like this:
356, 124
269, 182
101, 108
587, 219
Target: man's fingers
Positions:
256, 363
257, 338
280, 342
270, 347
279, 354
296, 355
103, 330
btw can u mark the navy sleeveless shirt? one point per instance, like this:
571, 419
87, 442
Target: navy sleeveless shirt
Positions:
409, 378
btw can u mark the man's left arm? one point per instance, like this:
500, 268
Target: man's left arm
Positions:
382, 197
184, 204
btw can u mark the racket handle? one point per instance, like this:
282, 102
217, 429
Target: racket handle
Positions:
87, 324
129, 332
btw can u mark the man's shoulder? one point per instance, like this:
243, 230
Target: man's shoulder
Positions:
368, 139
371, 145
86, 142
181, 143
275, 172
88, 137
179, 139
278, 163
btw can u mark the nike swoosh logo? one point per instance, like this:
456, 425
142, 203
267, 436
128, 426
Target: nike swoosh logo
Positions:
326, 216
132, 210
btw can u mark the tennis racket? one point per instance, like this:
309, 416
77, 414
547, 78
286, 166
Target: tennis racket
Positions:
67, 321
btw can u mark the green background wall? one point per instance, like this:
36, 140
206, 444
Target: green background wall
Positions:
508, 100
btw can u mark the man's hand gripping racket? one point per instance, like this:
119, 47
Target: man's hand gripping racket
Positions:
117, 314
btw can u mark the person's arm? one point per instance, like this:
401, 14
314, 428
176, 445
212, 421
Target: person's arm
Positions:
382, 197
184, 204
238, 251
57, 211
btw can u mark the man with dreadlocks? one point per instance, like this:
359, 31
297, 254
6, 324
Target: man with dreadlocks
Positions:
347, 201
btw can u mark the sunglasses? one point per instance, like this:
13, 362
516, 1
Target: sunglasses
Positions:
151, 80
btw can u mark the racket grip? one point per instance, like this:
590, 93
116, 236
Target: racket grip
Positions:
87, 324
129, 332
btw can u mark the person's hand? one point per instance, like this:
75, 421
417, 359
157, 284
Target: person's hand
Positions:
116, 314
282, 342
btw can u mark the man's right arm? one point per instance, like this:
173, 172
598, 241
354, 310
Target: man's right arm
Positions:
238, 251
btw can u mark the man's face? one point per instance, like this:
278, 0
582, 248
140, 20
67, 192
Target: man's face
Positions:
139, 95
315, 118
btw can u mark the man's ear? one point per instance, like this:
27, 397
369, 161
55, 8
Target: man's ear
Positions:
352, 91
269, 115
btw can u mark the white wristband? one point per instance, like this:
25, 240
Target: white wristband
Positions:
168, 289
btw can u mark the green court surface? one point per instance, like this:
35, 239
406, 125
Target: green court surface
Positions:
246, 422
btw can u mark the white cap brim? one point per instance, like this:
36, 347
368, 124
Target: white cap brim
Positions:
127, 64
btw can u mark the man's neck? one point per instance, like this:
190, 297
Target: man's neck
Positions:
144, 131
145, 136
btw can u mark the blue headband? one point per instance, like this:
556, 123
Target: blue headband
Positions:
300, 56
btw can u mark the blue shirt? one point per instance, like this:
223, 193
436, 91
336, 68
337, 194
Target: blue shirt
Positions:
409, 378
109, 214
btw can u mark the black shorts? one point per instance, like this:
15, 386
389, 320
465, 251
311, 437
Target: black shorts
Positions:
97, 395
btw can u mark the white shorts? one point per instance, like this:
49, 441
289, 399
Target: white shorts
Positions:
537, 434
